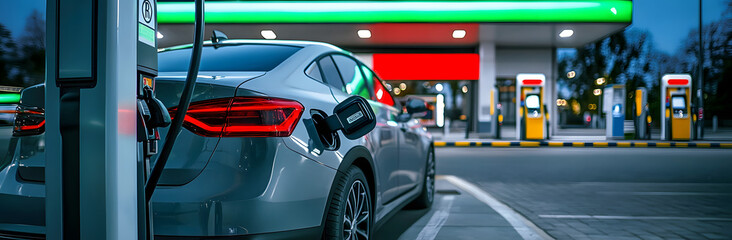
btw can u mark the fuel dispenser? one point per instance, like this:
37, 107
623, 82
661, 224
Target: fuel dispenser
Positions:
676, 113
641, 118
102, 117
531, 114
614, 108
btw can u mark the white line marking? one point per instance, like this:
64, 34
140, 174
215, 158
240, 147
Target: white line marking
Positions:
603, 217
429, 232
527, 229
667, 193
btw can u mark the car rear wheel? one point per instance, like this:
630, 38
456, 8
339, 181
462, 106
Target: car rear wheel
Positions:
349, 213
425, 199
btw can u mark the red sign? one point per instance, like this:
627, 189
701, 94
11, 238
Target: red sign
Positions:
427, 66
531, 81
678, 82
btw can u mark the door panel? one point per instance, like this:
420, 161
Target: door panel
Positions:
384, 137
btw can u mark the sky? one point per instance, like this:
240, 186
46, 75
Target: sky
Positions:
669, 21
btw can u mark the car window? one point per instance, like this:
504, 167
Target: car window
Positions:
356, 84
246, 57
330, 72
313, 71
381, 93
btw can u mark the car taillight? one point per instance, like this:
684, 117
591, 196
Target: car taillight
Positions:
29, 122
242, 117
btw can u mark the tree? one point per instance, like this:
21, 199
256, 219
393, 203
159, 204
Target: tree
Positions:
7, 57
626, 57
717, 48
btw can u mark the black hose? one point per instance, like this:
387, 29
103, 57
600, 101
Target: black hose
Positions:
185, 101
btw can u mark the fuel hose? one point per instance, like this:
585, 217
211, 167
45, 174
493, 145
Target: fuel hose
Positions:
185, 101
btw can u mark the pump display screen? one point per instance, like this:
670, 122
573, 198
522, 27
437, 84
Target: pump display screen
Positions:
678, 103
533, 106
532, 101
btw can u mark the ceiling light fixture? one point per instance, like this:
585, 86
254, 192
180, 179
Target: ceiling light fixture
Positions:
566, 33
268, 34
364, 33
459, 33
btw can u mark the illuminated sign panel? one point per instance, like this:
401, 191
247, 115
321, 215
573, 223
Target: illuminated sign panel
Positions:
678, 82
419, 66
606, 11
532, 81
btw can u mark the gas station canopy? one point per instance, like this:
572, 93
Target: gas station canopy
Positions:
524, 23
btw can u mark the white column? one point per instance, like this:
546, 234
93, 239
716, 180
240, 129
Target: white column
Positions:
486, 83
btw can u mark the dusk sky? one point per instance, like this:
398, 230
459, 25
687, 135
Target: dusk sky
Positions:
669, 21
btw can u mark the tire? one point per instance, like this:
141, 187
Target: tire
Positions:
352, 189
427, 197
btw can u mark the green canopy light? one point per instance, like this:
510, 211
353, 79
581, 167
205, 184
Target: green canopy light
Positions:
600, 11
9, 97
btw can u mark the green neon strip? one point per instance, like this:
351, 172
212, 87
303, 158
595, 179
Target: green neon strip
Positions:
10, 98
400, 11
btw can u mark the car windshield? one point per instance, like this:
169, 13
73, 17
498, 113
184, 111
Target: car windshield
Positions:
246, 57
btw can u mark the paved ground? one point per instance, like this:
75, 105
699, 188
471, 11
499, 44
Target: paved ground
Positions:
615, 193
456, 214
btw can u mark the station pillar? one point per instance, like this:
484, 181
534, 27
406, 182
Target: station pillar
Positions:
487, 94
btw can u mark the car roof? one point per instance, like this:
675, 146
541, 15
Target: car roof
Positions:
234, 42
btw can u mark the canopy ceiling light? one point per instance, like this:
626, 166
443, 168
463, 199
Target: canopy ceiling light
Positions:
566, 33
364, 33
459, 33
268, 34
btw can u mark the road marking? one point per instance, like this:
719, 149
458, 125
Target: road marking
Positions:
501, 144
682, 144
599, 144
605, 217
529, 144
663, 144
440, 144
429, 232
641, 144
556, 144
668, 193
527, 229
725, 145
623, 144
578, 144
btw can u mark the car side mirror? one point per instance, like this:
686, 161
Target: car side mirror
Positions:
415, 106
354, 116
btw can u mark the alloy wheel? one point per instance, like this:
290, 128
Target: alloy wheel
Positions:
356, 217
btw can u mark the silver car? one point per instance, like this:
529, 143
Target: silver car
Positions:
254, 159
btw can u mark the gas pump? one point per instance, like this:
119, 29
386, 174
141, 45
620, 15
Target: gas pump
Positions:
640, 111
102, 117
614, 108
676, 114
531, 115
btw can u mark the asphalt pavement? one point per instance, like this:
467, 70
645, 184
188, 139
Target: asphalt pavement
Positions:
605, 193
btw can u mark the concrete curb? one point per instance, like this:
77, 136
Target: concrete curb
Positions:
580, 144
